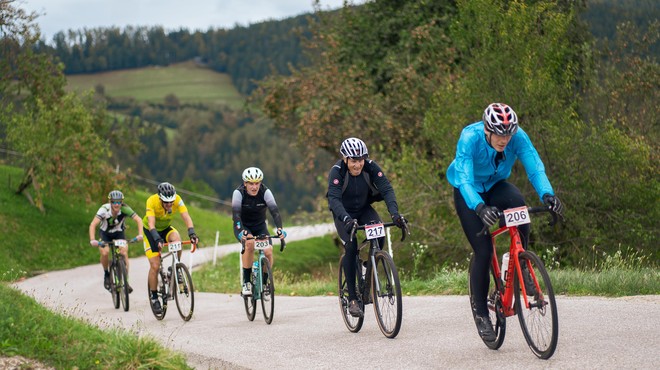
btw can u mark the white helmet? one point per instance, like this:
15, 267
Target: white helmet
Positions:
253, 174
354, 148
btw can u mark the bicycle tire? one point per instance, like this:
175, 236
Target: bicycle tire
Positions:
114, 282
539, 322
122, 287
267, 291
184, 292
161, 288
354, 324
388, 305
495, 310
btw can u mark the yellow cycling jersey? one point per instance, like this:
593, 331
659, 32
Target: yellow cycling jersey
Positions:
155, 209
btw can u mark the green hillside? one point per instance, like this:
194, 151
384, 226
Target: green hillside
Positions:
189, 82
64, 229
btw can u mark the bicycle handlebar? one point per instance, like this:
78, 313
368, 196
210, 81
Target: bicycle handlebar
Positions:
538, 209
264, 237
404, 230
112, 243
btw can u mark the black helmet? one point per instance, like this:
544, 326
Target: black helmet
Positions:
166, 192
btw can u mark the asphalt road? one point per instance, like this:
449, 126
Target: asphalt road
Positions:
308, 332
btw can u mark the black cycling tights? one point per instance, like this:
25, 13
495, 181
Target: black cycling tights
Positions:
502, 195
367, 215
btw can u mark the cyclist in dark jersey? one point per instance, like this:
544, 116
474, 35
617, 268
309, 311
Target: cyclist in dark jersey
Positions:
485, 155
350, 194
249, 204
111, 218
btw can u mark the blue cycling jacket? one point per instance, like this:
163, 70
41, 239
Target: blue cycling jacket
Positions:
474, 171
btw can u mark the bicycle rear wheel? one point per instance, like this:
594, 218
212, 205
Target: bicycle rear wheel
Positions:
122, 282
184, 292
354, 324
267, 291
114, 282
161, 288
494, 303
386, 290
538, 321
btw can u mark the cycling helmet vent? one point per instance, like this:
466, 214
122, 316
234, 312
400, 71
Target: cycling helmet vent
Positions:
166, 192
116, 195
500, 119
253, 174
354, 148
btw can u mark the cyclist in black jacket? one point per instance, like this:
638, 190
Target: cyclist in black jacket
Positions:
249, 203
354, 183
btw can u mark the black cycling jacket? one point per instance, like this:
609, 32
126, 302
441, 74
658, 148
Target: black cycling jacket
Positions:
250, 211
356, 197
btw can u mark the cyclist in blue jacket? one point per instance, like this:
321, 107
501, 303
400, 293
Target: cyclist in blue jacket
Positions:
485, 153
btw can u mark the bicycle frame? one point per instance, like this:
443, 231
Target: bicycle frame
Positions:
515, 248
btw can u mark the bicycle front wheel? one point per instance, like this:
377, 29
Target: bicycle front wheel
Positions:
386, 290
538, 320
267, 290
495, 309
122, 282
114, 283
354, 324
184, 292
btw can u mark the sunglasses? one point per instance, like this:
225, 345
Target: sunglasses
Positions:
113, 202
172, 202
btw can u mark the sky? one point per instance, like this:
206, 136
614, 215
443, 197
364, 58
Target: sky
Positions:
62, 15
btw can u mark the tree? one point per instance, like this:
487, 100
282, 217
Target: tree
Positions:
57, 133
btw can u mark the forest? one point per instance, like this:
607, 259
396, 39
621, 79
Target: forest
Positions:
403, 76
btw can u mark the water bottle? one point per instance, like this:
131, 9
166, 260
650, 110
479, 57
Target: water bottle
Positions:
169, 272
364, 269
505, 265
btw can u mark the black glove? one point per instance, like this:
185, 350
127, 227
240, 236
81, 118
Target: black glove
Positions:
193, 237
555, 204
488, 215
348, 224
399, 221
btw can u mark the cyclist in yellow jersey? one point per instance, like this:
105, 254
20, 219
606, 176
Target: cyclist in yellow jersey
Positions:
158, 230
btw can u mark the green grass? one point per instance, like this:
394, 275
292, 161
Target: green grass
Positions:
190, 83
29, 330
58, 239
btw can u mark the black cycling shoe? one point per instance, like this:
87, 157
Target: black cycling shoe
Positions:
530, 287
106, 281
485, 328
155, 306
130, 289
354, 309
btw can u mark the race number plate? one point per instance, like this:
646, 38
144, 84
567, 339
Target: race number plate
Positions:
174, 246
261, 244
516, 216
121, 243
374, 231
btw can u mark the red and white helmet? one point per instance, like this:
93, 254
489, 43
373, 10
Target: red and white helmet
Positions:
500, 119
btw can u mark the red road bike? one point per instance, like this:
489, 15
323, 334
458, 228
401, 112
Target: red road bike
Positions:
534, 301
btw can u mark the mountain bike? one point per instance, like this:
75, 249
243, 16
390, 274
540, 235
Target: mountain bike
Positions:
175, 284
377, 282
261, 279
118, 272
534, 298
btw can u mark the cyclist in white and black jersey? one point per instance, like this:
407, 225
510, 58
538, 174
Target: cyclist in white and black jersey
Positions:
249, 204
110, 219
